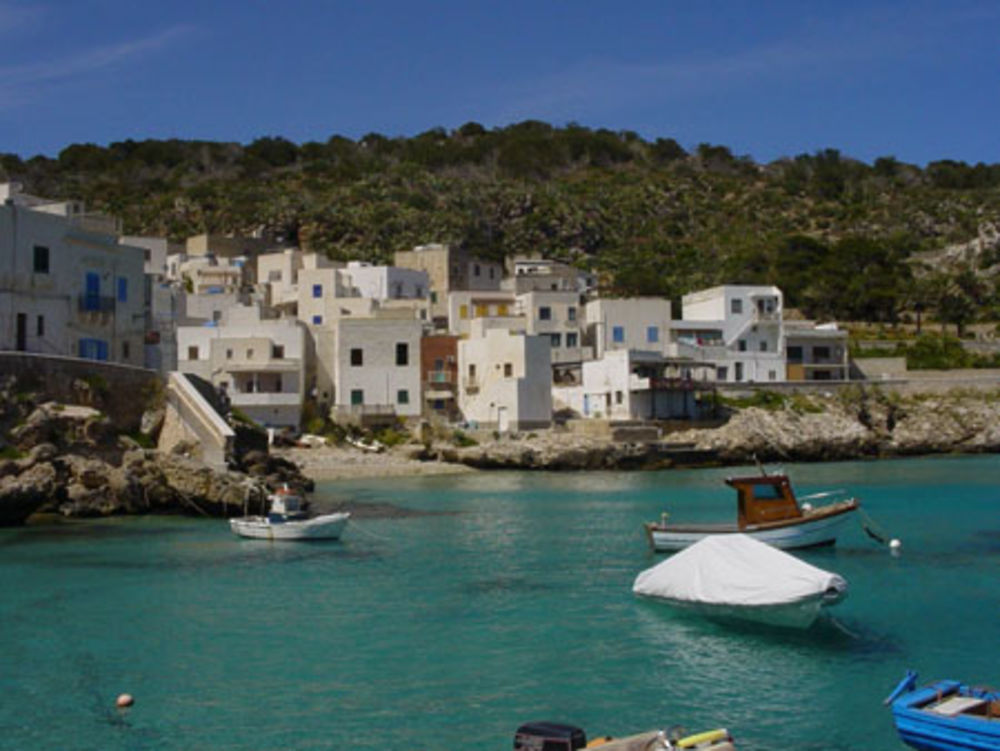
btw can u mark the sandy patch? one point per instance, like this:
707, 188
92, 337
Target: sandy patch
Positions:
346, 463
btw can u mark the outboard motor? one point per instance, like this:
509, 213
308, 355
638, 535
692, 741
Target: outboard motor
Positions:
549, 736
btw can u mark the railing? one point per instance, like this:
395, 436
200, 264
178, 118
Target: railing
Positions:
95, 304
440, 377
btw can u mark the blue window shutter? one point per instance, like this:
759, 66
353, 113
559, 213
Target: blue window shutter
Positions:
317, 320
652, 334
618, 334
122, 289
317, 290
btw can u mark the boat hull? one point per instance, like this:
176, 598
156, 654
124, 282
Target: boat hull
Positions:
800, 614
805, 533
921, 727
328, 527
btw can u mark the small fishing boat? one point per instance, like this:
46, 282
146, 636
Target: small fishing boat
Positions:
946, 715
767, 510
374, 446
288, 519
736, 576
555, 736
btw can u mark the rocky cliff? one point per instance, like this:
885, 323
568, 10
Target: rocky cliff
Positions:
847, 424
71, 460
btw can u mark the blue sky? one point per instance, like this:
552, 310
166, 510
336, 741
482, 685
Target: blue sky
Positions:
914, 79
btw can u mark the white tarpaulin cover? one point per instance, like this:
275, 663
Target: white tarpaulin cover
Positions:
735, 569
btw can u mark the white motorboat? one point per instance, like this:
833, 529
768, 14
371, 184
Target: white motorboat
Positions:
737, 576
288, 519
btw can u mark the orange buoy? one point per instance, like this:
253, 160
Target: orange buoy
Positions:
124, 700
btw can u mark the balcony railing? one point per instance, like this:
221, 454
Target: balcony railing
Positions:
440, 377
95, 304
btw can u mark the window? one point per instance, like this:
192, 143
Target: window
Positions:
250, 354
738, 371
742, 345
41, 259
463, 311
278, 352
192, 353
122, 289
795, 354
556, 340
274, 276
434, 297
357, 396
357, 356
618, 397
317, 290
472, 371
721, 373
475, 270
571, 313
40, 326
317, 320
571, 339
229, 354
438, 404
652, 334
618, 334
438, 363
216, 315
93, 349
821, 353
126, 350
419, 291
545, 313
763, 346
402, 353
482, 311
771, 375
402, 396
736, 306
508, 370
502, 309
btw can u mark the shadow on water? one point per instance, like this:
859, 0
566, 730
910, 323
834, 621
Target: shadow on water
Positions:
828, 633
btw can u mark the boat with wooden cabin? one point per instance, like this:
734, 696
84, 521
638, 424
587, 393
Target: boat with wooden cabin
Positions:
767, 510
946, 715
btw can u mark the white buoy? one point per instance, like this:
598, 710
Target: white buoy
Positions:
807, 507
124, 700
895, 546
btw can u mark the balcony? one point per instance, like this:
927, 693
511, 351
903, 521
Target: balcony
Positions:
266, 399
471, 385
95, 304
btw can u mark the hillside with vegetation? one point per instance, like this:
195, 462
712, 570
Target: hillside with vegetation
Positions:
842, 238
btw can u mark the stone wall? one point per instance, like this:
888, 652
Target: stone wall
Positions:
122, 392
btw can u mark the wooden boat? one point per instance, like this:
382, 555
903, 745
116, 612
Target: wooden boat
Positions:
767, 510
946, 715
554, 736
288, 519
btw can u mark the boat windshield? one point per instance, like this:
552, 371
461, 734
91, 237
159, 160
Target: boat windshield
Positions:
767, 492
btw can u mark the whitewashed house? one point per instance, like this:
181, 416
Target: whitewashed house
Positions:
260, 363
374, 368
505, 378
640, 323
449, 269
67, 286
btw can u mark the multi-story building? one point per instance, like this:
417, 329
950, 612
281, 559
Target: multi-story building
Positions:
375, 367
639, 323
499, 306
539, 274
67, 286
505, 379
259, 363
449, 269
439, 375
815, 353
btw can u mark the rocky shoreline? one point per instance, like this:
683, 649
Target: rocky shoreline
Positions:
70, 460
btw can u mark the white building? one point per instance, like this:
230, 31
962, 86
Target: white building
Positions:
505, 379
449, 270
67, 287
641, 323
375, 367
559, 316
540, 274
738, 327
387, 282
260, 363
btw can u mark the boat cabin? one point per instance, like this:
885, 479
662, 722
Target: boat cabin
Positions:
286, 505
764, 498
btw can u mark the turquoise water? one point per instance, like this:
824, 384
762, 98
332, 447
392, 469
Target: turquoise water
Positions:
511, 602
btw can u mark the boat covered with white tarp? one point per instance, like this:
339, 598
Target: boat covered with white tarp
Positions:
736, 576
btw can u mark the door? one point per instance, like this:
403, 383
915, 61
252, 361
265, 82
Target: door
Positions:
503, 420
22, 332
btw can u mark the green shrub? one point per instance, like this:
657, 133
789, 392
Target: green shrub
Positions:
762, 398
462, 440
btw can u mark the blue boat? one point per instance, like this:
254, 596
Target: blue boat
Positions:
946, 715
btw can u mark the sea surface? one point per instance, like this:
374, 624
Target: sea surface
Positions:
502, 598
